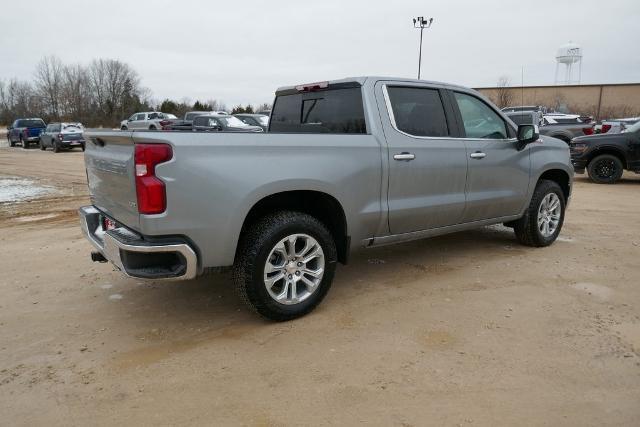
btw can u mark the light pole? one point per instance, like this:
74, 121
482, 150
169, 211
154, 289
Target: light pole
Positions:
421, 23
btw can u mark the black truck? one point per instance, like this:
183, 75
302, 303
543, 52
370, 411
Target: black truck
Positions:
606, 156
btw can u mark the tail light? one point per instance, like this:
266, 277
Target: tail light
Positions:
165, 124
150, 190
60, 136
311, 87
605, 128
25, 132
588, 131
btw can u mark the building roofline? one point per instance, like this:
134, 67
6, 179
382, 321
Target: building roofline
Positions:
558, 86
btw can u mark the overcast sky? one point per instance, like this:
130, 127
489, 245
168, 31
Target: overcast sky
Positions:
239, 52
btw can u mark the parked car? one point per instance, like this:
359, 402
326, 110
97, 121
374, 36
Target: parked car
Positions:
561, 126
347, 164
254, 120
565, 126
150, 120
218, 122
526, 118
58, 136
25, 131
187, 122
606, 156
616, 125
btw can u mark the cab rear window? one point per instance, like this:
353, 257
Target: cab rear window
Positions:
31, 123
328, 111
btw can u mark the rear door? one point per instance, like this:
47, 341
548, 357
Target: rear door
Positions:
427, 165
498, 174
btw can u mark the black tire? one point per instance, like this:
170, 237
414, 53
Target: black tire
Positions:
152, 127
25, 144
526, 228
11, 143
82, 147
605, 169
251, 258
55, 147
123, 128
41, 145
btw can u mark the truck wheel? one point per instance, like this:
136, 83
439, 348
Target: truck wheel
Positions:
24, 143
605, 169
82, 147
41, 145
285, 265
542, 221
123, 128
152, 127
55, 147
11, 143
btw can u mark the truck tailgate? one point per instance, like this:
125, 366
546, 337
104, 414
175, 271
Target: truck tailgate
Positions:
109, 159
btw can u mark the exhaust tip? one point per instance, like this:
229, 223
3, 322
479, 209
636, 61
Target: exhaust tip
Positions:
97, 257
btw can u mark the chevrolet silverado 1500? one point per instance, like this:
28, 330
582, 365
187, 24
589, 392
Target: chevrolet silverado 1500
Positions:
345, 164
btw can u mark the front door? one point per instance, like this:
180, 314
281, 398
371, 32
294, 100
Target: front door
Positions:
427, 167
498, 175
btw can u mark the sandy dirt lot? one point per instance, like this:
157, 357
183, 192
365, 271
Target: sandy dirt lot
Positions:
466, 329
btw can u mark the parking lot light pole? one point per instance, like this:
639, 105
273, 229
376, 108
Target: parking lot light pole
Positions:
421, 23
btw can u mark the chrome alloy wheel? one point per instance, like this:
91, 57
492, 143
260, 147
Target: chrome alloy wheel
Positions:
549, 213
294, 269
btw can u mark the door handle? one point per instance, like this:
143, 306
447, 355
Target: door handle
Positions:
478, 155
404, 156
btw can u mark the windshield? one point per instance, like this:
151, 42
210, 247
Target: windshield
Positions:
264, 120
233, 122
34, 123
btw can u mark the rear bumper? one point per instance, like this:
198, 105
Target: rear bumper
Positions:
171, 259
76, 143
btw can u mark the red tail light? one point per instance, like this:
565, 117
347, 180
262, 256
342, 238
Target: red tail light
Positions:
605, 128
26, 132
312, 87
150, 190
588, 131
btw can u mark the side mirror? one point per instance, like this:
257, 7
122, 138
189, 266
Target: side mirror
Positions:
528, 134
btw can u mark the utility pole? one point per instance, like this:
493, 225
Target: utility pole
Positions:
421, 23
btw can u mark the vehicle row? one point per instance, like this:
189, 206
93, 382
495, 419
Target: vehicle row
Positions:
57, 136
211, 121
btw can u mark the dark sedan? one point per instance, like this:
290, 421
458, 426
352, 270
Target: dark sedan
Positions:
221, 123
254, 120
606, 156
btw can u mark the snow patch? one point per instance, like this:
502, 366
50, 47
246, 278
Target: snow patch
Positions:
14, 189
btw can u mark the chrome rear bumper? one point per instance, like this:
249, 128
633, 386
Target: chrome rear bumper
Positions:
135, 256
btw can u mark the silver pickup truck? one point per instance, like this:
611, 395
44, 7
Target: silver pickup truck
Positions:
346, 164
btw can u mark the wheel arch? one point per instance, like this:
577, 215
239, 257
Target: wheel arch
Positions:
614, 151
559, 176
318, 204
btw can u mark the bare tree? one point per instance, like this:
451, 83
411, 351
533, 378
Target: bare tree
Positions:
504, 96
48, 83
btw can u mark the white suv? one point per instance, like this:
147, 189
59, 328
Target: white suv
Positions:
149, 120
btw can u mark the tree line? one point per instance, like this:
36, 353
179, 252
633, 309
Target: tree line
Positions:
102, 93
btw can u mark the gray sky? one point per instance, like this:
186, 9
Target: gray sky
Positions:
239, 52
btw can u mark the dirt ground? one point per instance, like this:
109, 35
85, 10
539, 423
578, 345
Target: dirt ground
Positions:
466, 329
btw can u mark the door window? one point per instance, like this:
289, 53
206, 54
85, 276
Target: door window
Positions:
418, 111
480, 121
140, 116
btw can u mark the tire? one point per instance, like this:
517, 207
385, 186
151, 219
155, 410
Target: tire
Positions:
262, 245
82, 147
152, 127
55, 147
605, 169
11, 143
528, 228
42, 147
123, 128
25, 144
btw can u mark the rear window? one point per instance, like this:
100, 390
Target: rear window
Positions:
329, 111
521, 119
31, 123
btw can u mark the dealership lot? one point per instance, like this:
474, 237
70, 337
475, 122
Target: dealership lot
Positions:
466, 329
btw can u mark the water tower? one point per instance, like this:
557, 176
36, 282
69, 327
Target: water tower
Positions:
569, 55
